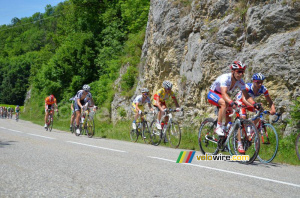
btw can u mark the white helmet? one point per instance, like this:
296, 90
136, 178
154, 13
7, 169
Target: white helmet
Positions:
144, 90
86, 88
167, 84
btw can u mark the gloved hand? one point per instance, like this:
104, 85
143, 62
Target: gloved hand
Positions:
178, 109
140, 112
233, 104
257, 106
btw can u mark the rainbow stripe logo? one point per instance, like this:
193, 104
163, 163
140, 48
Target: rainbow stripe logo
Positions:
185, 156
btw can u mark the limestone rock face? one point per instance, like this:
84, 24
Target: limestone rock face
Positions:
192, 43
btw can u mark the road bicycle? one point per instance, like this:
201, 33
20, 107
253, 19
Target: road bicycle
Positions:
142, 129
211, 143
17, 116
49, 120
86, 122
269, 138
170, 131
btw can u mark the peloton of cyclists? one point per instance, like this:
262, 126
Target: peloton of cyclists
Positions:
137, 105
218, 95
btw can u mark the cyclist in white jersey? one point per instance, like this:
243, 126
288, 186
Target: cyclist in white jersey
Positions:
218, 95
137, 105
81, 98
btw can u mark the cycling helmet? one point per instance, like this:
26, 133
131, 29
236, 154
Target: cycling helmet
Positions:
258, 76
144, 90
17, 105
167, 84
51, 98
86, 88
237, 65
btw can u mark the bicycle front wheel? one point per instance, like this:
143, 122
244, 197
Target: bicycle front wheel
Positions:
207, 138
51, 124
174, 134
268, 144
146, 133
133, 135
156, 134
90, 128
249, 139
298, 146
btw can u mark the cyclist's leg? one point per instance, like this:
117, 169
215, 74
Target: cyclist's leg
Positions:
217, 100
46, 116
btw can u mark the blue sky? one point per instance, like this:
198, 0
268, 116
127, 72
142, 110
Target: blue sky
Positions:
22, 8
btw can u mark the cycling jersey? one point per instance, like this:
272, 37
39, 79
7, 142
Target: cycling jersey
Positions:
139, 99
17, 109
82, 101
48, 102
214, 95
249, 88
162, 95
225, 81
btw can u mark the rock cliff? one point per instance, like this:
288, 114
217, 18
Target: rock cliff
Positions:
192, 42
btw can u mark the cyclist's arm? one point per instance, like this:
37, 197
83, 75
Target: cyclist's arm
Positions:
246, 102
72, 108
78, 102
92, 102
225, 96
248, 97
176, 102
137, 107
157, 103
46, 106
271, 105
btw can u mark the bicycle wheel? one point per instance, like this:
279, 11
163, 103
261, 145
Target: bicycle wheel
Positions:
146, 133
250, 141
174, 134
268, 144
156, 134
298, 146
90, 128
51, 124
134, 135
207, 138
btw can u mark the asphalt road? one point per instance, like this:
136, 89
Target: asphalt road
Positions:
37, 163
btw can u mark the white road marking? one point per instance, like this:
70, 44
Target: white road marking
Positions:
15, 131
231, 172
41, 136
97, 147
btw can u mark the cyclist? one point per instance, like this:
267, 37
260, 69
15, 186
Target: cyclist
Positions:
17, 110
138, 103
49, 101
255, 89
159, 101
72, 112
8, 112
218, 95
82, 98
11, 112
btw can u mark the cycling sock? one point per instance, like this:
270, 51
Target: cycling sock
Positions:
219, 124
239, 143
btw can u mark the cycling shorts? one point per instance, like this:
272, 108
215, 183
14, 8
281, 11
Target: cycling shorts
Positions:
213, 97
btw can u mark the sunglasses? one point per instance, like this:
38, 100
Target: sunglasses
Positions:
145, 93
258, 82
240, 72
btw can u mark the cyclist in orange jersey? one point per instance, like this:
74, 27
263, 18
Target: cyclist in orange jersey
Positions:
49, 101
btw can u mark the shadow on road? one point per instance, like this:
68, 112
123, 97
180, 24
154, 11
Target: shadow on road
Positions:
5, 143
